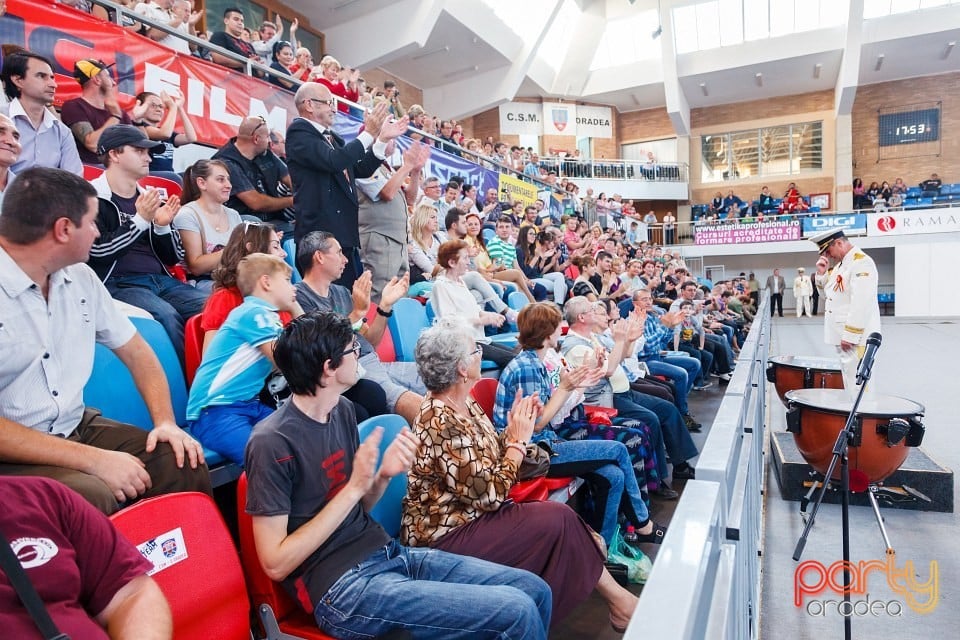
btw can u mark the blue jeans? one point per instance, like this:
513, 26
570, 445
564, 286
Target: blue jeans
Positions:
607, 466
434, 594
704, 357
663, 417
168, 300
226, 428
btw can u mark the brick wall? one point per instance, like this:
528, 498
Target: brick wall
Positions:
409, 94
771, 108
865, 128
637, 126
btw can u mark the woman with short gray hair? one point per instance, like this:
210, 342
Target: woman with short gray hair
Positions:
458, 486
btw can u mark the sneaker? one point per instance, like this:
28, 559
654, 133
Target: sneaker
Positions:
692, 424
684, 472
726, 377
700, 387
665, 492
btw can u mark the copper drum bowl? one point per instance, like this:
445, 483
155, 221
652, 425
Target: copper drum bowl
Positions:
885, 426
803, 372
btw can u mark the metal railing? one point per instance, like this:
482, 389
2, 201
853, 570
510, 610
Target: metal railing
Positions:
616, 169
706, 579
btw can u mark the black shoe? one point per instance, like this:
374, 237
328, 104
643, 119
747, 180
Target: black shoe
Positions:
664, 492
684, 472
692, 424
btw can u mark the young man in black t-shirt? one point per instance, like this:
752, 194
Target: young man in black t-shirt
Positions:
311, 485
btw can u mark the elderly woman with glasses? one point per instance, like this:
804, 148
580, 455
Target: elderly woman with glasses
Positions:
458, 486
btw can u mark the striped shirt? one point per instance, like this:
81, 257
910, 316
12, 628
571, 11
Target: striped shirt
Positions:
48, 345
502, 251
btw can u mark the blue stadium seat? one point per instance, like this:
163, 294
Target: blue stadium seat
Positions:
431, 314
488, 234
290, 247
111, 388
517, 301
408, 320
914, 192
389, 508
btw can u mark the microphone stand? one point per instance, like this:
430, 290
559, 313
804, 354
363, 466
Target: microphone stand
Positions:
839, 455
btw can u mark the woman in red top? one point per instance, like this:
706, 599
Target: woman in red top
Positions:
330, 78
247, 238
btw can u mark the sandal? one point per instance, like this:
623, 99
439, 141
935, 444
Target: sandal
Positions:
655, 536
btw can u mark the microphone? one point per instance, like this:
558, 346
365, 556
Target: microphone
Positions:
866, 363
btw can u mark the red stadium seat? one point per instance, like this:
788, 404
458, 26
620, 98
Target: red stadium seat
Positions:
193, 346
277, 611
205, 587
90, 172
484, 391
385, 349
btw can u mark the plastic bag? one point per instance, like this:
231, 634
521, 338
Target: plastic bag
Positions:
637, 562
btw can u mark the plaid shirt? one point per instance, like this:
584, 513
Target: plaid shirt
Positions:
656, 336
527, 373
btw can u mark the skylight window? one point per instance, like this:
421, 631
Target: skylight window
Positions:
628, 40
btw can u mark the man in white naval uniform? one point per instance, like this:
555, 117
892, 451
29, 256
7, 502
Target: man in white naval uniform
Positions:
852, 312
802, 291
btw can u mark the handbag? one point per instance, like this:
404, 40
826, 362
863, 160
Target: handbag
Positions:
536, 461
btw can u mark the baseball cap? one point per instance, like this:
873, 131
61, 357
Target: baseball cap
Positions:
88, 68
121, 135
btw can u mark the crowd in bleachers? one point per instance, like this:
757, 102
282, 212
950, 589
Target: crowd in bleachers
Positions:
231, 363
898, 196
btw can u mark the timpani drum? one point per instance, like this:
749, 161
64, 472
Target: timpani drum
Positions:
885, 426
803, 372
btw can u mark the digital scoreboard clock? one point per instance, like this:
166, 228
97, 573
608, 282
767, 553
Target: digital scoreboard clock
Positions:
909, 127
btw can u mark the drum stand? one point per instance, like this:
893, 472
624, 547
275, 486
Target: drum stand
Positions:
840, 455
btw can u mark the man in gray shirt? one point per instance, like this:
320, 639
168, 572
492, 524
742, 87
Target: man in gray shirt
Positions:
382, 215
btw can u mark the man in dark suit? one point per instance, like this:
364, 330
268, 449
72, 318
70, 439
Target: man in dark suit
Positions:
323, 169
775, 284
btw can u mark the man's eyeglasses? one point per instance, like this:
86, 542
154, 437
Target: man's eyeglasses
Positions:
354, 349
332, 102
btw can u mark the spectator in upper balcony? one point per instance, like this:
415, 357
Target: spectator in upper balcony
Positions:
158, 116
532, 168
733, 206
500, 154
392, 93
46, 142
231, 39
9, 152
793, 201
270, 34
162, 12
283, 61
261, 183
341, 82
302, 65
95, 110
766, 200
931, 186
446, 134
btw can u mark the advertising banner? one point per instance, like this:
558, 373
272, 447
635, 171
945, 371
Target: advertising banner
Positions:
216, 97
559, 119
594, 122
513, 188
748, 233
853, 224
902, 223
521, 118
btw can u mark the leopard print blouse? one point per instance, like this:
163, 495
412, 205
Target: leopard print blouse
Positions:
460, 472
